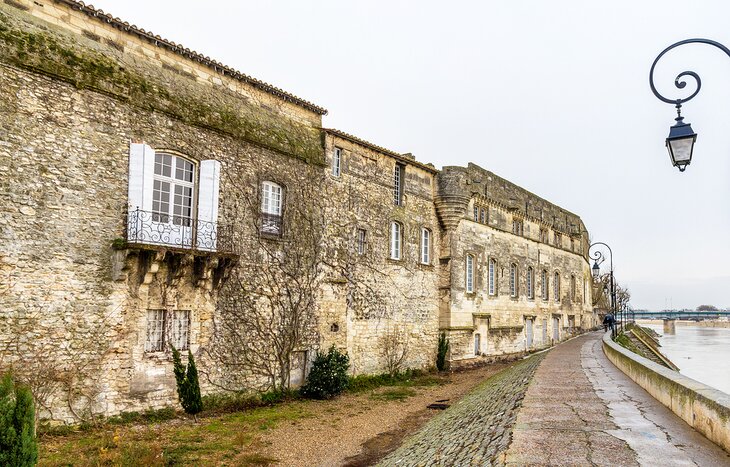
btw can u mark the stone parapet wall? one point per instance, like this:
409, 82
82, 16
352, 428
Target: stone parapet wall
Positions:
705, 409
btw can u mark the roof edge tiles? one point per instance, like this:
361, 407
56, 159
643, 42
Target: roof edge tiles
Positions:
405, 158
158, 41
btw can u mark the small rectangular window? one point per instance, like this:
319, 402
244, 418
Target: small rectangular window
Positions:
425, 246
398, 183
517, 227
395, 240
513, 280
361, 241
482, 216
469, 274
167, 328
476, 214
336, 162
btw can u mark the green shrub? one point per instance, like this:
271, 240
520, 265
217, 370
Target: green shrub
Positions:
188, 387
18, 446
441, 352
328, 376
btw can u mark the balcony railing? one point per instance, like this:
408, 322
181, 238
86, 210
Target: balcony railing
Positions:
270, 224
151, 228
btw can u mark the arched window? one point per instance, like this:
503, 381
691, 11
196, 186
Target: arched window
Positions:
556, 286
396, 240
172, 191
492, 277
272, 196
544, 284
530, 283
513, 280
469, 274
425, 246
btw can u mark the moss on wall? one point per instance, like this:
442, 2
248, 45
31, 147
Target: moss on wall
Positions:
27, 43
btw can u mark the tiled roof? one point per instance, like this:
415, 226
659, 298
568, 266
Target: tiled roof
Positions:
90, 11
408, 159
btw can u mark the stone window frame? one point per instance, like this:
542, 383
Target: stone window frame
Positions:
469, 267
556, 286
544, 235
426, 248
544, 286
164, 334
530, 280
476, 213
395, 252
514, 279
573, 288
518, 227
337, 162
492, 278
483, 216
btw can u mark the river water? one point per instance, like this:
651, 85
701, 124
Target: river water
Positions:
700, 353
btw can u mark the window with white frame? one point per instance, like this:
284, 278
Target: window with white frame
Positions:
425, 246
167, 328
492, 277
556, 287
336, 162
469, 274
173, 189
271, 208
513, 280
544, 284
530, 283
361, 241
398, 183
396, 240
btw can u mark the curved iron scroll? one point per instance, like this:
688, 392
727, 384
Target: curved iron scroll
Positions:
678, 81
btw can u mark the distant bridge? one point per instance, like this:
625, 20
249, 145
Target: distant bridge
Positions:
681, 315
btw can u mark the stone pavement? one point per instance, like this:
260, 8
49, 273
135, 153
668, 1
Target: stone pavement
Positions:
581, 410
476, 430
569, 406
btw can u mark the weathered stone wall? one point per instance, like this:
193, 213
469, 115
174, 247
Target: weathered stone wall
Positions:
499, 318
381, 296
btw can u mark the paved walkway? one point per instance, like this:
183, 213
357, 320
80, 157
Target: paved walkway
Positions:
475, 431
569, 406
581, 410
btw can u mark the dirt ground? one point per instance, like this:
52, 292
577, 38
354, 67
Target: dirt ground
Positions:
358, 429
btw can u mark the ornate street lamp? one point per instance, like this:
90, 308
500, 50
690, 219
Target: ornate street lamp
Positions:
681, 139
598, 258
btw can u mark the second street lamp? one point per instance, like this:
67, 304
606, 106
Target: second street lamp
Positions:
681, 139
598, 257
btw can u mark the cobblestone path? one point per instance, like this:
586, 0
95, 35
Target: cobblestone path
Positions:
475, 431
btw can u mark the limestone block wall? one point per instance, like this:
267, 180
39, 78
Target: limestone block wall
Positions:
375, 296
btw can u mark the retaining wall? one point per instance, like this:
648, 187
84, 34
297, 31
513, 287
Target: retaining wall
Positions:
704, 408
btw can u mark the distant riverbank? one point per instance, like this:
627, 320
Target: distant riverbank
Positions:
700, 351
695, 324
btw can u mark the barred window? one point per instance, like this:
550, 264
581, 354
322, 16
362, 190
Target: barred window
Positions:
361, 241
167, 327
530, 283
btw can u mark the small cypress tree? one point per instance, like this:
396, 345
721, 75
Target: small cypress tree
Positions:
188, 386
441, 352
18, 446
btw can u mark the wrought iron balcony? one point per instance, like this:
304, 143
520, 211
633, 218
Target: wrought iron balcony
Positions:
271, 224
189, 233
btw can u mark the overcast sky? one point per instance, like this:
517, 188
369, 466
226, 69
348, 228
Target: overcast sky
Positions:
551, 95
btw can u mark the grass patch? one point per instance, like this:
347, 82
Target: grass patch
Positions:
393, 394
408, 378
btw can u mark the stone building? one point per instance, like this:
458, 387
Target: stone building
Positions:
152, 197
